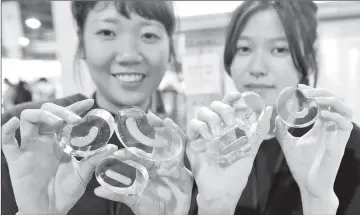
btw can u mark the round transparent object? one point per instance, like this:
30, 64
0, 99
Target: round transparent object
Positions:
296, 110
125, 177
155, 144
89, 136
232, 143
248, 109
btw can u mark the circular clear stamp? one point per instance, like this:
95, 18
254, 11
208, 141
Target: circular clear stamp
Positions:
122, 175
248, 109
295, 109
233, 143
89, 136
155, 143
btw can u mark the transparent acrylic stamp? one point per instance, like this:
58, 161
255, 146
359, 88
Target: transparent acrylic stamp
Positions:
156, 143
296, 110
122, 175
89, 136
233, 143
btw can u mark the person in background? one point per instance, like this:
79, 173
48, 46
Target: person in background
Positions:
8, 94
127, 46
22, 93
271, 45
43, 90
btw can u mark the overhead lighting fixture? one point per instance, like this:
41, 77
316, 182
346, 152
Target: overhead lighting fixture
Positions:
33, 23
23, 41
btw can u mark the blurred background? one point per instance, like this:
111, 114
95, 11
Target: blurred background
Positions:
39, 40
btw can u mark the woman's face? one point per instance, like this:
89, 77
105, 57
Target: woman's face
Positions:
127, 58
263, 63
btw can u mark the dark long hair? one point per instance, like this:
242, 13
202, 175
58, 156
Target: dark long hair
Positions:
299, 20
159, 10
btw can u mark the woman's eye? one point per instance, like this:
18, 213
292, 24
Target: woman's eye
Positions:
243, 50
106, 33
150, 37
280, 51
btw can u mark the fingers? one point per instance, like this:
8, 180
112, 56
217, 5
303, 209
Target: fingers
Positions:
314, 92
154, 120
225, 111
170, 171
211, 118
10, 145
30, 120
62, 112
264, 121
334, 151
196, 128
231, 98
282, 134
325, 98
107, 194
87, 165
338, 105
341, 121
171, 124
81, 106
70, 114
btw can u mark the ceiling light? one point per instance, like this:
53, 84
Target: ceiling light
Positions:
33, 23
23, 41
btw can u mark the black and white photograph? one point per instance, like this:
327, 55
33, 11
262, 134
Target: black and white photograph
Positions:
158, 107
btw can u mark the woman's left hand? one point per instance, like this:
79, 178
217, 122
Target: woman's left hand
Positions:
170, 183
314, 159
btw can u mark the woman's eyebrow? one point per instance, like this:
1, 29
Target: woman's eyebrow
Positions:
108, 20
150, 23
279, 39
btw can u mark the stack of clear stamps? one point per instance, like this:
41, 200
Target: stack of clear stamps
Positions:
146, 144
233, 143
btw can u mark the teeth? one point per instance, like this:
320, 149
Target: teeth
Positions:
129, 77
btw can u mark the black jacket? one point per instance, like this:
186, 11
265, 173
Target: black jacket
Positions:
271, 188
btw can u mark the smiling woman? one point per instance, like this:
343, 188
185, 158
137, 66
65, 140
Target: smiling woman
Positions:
126, 46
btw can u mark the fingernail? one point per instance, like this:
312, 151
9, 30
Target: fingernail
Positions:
302, 86
306, 93
13, 118
89, 101
74, 118
54, 118
111, 147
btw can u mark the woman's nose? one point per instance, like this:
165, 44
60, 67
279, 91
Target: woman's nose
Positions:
258, 68
127, 52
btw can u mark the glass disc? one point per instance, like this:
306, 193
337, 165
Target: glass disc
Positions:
296, 110
134, 130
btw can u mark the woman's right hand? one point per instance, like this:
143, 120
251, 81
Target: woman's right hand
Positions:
220, 187
45, 179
